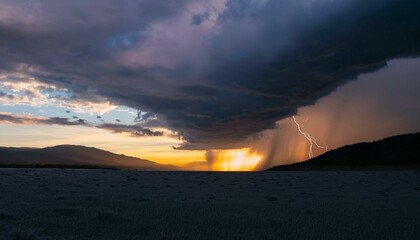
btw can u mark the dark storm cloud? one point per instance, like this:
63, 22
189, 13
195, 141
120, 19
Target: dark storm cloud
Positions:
135, 130
215, 72
31, 120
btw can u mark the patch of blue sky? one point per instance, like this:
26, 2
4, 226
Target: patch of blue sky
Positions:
20, 109
57, 94
8, 91
123, 41
121, 114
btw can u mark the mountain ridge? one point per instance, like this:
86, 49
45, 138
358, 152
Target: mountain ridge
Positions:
74, 155
399, 152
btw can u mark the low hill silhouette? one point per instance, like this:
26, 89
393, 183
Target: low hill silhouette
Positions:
398, 152
73, 156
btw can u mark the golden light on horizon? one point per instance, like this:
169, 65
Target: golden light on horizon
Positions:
243, 159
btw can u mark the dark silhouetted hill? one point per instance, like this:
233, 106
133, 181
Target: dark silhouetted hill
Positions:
73, 156
398, 152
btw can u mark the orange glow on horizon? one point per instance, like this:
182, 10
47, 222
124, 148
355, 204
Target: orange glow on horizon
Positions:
301, 151
235, 160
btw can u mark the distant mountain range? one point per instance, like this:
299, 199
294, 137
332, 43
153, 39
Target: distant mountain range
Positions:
73, 156
398, 152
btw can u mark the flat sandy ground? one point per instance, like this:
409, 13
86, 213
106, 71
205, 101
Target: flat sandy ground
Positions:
115, 204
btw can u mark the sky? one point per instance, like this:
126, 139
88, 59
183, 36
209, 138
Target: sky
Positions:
208, 84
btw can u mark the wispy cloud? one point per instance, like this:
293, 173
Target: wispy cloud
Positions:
7, 118
135, 130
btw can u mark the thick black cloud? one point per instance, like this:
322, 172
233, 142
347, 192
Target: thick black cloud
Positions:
262, 62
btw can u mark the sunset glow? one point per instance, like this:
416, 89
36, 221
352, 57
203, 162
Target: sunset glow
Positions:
235, 160
177, 84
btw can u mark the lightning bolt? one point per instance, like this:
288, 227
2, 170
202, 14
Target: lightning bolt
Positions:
312, 141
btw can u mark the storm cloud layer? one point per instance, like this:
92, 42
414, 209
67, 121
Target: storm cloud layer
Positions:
216, 72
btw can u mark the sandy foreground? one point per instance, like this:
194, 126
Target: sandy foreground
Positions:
117, 204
